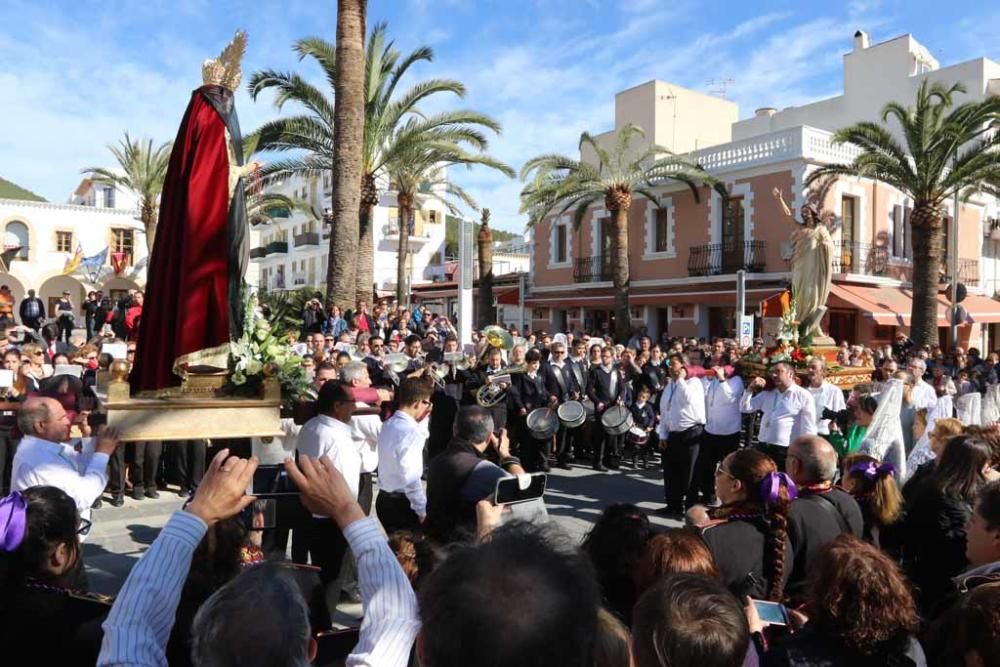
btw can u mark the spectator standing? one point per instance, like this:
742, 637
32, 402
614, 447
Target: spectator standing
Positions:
90, 307
402, 502
723, 422
682, 423
6, 307
65, 318
826, 396
133, 314
32, 311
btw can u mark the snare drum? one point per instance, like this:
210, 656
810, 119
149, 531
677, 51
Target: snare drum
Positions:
572, 414
617, 420
636, 436
542, 423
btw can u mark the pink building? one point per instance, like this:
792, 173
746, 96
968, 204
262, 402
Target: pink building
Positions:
684, 253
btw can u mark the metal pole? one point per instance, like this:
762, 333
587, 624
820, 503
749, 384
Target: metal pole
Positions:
465, 282
741, 295
520, 300
953, 265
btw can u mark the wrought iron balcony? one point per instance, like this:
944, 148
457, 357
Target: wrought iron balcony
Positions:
307, 239
867, 259
715, 259
276, 248
592, 269
257, 253
968, 272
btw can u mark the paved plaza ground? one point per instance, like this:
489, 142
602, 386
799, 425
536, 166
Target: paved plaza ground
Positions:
574, 500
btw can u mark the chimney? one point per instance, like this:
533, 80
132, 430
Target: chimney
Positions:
861, 40
765, 112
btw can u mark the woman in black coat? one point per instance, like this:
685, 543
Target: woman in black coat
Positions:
934, 527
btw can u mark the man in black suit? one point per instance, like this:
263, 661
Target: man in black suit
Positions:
561, 382
528, 392
605, 387
494, 366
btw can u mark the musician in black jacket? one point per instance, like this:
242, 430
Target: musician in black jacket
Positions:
605, 387
580, 443
528, 392
478, 378
560, 381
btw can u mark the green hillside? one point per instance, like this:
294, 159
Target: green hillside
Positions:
10, 190
451, 235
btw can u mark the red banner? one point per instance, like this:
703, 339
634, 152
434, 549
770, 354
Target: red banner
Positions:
119, 262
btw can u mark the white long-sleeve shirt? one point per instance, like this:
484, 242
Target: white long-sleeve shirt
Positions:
401, 459
722, 405
787, 414
826, 396
275, 450
325, 436
82, 475
138, 627
682, 406
366, 430
924, 396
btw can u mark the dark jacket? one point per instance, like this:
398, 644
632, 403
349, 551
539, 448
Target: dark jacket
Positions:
53, 627
644, 417
738, 548
814, 647
814, 520
23, 309
456, 480
934, 542
566, 389
599, 387
528, 394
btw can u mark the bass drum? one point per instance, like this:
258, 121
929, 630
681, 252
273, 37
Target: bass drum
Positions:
542, 423
637, 436
617, 420
572, 414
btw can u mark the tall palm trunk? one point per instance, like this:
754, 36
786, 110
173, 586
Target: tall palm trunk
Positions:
927, 235
618, 201
366, 240
485, 241
348, 134
405, 202
148, 216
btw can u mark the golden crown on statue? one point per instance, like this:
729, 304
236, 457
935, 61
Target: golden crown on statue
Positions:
225, 70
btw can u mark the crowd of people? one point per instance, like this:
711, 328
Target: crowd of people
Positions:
871, 514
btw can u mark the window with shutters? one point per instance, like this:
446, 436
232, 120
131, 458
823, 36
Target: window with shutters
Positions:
123, 240
662, 233
64, 241
561, 250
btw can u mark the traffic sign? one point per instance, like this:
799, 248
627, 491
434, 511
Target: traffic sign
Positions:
746, 330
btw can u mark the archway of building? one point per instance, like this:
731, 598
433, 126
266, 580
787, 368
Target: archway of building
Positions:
52, 289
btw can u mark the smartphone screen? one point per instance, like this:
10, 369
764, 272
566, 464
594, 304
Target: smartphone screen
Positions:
771, 612
509, 490
6, 378
272, 480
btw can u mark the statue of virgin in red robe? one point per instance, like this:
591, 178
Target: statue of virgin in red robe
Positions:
193, 307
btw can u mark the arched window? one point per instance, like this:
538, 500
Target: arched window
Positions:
16, 236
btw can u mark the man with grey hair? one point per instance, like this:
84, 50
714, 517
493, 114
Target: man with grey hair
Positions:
789, 411
44, 457
366, 429
924, 396
821, 512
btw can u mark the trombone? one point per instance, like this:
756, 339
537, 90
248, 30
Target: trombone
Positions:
495, 390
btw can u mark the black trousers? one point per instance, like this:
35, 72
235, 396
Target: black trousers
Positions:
186, 463
777, 453
8, 448
679, 487
145, 464
394, 512
713, 449
65, 327
116, 472
327, 548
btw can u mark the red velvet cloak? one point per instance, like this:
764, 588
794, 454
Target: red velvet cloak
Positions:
194, 273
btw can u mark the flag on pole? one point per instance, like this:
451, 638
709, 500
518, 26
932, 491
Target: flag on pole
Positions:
119, 262
7, 256
73, 263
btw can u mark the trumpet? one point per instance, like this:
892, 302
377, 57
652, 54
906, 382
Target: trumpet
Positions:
393, 364
457, 360
438, 372
495, 390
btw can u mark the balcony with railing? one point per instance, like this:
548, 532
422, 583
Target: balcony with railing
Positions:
390, 232
968, 272
307, 240
592, 269
257, 253
713, 259
276, 248
867, 259
796, 142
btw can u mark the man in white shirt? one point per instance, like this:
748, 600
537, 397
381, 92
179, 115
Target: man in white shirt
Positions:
44, 459
682, 423
329, 434
825, 395
924, 396
789, 411
402, 502
723, 423
366, 428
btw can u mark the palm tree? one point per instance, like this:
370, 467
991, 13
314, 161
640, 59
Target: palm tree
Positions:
559, 183
141, 170
384, 112
947, 149
417, 171
485, 242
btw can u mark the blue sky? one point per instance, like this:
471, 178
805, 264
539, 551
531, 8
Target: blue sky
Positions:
75, 75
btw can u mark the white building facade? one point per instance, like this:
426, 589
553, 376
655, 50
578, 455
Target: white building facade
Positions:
292, 251
48, 235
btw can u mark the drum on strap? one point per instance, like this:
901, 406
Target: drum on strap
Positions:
572, 414
542, 423
617, 420
637, 436
588, 408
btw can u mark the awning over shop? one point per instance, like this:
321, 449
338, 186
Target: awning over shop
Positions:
891, 306
509, 297
726, 297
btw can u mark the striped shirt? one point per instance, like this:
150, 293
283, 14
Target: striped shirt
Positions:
138, 627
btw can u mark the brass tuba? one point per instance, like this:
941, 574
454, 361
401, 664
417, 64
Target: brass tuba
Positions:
495, 390
393, 364
495, 337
